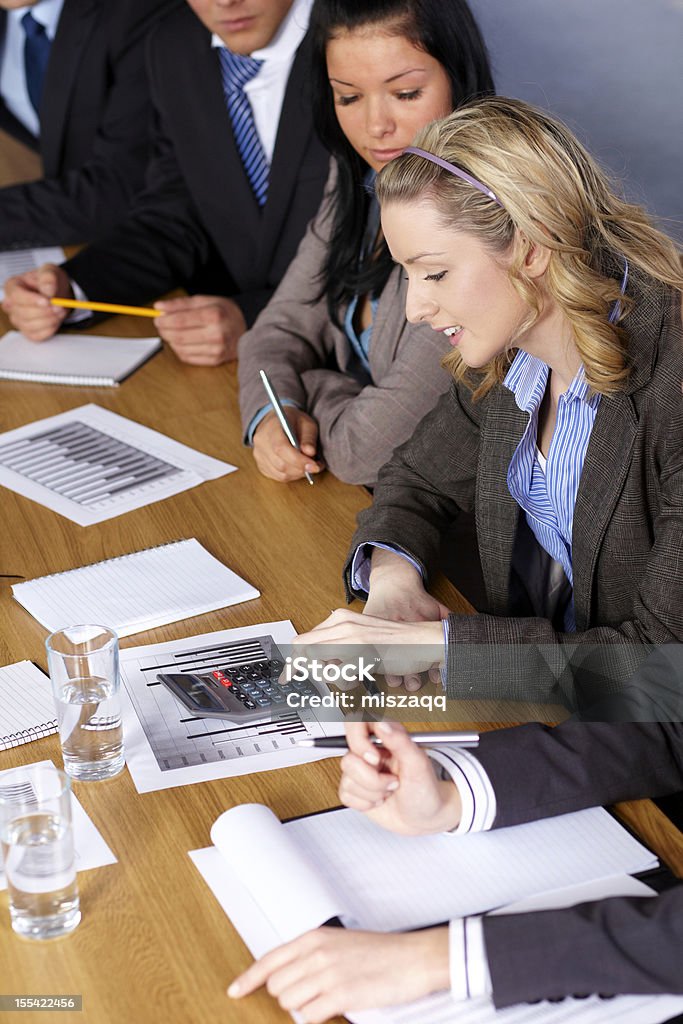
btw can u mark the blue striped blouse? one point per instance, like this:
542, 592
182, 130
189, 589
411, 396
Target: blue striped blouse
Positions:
548, 498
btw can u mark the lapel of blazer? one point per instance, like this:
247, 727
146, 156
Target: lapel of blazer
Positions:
610, 448
294, 131
220, 171
75, 26
497, 511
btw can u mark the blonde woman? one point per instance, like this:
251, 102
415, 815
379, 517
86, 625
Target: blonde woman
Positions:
563, 428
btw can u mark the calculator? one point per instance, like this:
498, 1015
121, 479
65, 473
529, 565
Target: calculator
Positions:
240, 693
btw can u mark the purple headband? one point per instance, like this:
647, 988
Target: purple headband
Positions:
457, 171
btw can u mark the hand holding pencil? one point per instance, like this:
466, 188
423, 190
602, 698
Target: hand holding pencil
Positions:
28, 301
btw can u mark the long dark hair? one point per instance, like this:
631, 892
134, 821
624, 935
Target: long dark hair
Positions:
447, 31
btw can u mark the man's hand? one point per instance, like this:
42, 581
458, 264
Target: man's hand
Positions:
275, 456
332, 971
395, 784
201, 329
27, 301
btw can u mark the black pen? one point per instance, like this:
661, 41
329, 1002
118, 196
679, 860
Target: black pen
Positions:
280, 413
422, 739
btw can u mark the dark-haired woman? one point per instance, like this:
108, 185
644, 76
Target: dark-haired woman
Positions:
355, 376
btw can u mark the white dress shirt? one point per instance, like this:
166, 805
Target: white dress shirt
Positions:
468, 963
13, 75
266, 91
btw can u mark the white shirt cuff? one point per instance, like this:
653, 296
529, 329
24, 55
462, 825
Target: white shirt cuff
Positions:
468, 962
474, 786
77, 315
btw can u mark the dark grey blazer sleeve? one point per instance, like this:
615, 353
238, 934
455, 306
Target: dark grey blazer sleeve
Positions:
610, 947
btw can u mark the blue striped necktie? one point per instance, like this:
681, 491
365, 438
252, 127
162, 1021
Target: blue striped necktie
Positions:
236, 71
36, 54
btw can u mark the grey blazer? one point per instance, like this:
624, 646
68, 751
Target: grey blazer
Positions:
627, 529
615, 946
311, 362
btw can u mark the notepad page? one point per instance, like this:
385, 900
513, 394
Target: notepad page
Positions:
18, 261
27, 709
71, 357
380, 879
276, 872
136, 592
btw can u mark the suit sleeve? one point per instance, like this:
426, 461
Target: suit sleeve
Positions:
612, 947
83, 202
161, 243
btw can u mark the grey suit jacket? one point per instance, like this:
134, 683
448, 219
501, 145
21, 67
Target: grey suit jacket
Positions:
610, 947
627, 529
311, 362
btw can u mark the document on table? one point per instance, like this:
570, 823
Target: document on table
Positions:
86, 360
136, 591
91, 851
89, 464
341, 864
27, 707
166, 746
18, 261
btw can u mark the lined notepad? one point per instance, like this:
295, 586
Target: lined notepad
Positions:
135, 592
18, 261
27, 710
79, 359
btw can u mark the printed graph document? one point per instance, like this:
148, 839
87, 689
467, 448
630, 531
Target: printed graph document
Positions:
89, 464
18, 261
90, 848
166, 746
79, 359
27, 709
135, 592
341, 864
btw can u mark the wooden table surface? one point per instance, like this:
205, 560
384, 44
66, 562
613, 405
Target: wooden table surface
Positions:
153, 943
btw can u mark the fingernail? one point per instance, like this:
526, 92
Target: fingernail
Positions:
234, 990
371, 757
383, 727
392, 787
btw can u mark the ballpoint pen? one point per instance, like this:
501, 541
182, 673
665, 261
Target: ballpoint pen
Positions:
422, 739
280, 413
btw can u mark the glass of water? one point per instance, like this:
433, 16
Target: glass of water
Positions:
84, 668
38, 851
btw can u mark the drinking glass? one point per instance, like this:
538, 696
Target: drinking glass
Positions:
38, 851
84, 668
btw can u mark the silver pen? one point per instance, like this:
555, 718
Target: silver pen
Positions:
422, 739
280, 413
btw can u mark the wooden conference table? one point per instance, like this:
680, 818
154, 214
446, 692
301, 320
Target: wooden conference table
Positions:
154, 944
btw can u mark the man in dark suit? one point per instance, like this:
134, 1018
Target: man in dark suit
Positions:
609, 947
218, 213
73, 88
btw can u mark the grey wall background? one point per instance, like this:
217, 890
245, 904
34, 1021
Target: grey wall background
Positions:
613, 71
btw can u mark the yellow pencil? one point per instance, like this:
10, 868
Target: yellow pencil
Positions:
107, 307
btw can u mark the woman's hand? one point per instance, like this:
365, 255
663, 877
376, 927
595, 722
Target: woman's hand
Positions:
396, 648
276, 457
332, 971
395, 784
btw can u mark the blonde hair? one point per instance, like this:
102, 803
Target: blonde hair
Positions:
551, 193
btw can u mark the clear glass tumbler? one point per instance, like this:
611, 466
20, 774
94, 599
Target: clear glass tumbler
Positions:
38, 851
84, 668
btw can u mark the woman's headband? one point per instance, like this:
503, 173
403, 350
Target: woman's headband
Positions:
457, 171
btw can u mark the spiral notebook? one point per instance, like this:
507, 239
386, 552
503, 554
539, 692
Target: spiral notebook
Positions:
27, 710
134, 592
86, 360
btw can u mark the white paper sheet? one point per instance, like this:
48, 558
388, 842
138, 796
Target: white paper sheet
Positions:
18, 261
263, 928
89, 464
90, 849
137, 591
27, 708
160, 736
80, 359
